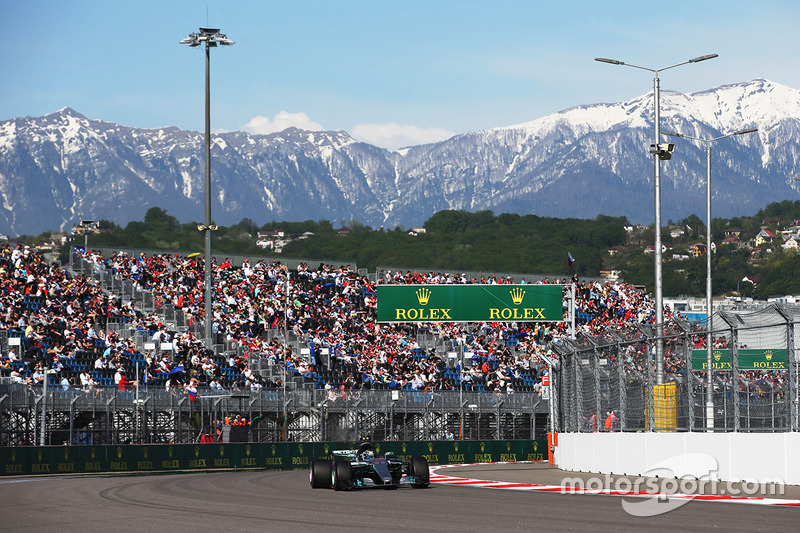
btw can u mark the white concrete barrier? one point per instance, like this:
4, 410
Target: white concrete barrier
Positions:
761, 457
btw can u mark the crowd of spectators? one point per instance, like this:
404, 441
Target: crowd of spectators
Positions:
335, 309
61, 323
54, 317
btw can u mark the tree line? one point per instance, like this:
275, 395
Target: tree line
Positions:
461, 240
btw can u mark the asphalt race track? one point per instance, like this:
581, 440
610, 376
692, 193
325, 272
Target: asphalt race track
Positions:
284, 501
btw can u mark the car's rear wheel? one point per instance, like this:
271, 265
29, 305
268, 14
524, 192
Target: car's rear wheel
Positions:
320, 474
420, 473
342, 475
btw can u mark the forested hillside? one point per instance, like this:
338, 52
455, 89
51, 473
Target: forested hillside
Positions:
461, 240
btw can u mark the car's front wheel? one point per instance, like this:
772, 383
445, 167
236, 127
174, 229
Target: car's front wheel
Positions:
420, 473
342, 475
320, 474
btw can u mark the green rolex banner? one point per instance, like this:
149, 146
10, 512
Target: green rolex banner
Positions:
766, 359
470, 303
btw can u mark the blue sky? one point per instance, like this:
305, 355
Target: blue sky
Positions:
391, 73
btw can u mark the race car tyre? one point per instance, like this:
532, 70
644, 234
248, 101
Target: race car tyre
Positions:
420, 472
320, 474
342, 475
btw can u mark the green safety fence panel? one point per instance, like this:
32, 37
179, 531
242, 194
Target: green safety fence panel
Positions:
32, 460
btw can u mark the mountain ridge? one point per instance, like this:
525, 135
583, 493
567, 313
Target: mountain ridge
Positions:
579, 162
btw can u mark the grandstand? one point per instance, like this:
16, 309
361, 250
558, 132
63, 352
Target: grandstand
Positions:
299, 351
126, 320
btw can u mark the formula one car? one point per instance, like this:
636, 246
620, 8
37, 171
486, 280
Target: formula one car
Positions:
361, 468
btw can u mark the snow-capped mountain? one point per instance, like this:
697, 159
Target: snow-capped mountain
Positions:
580, 162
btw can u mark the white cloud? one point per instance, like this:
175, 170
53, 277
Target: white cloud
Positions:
391, 136
281, 121
394, 136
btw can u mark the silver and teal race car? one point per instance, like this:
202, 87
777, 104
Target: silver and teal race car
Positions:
361, 468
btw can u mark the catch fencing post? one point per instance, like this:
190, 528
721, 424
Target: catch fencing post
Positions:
497, 422
621, 381
108, 419
72, 419
735, 371
687, 352
595, 365
576, 362
791, 362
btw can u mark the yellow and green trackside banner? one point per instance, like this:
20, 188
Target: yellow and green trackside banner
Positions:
764, 359
49, 460
470, 303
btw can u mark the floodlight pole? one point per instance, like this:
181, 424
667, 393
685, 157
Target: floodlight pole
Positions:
86, 225
211, 37
209, 298
709, 302
657, 156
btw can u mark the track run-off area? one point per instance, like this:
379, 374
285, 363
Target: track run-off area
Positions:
486, 497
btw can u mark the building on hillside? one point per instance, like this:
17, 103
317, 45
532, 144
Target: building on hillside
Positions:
611, 275
790, 230
789, 299
91, 227
651, 248
763, 237
698, 249
676, 232
273, 240
751, 279
791, 243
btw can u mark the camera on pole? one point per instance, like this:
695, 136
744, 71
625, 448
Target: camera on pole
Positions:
664, 150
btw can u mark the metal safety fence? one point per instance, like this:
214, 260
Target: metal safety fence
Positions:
29, 415
609, 381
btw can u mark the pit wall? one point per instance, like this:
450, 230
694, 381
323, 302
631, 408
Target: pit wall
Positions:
50, 460
761, 457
